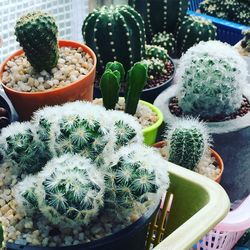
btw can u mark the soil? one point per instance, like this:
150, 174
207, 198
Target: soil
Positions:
244, 109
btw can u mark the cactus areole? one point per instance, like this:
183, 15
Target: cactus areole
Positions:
115, 33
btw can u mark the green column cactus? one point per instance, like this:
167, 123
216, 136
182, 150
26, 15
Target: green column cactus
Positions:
37, 34
188, 141
160, 15
115, 33
192, 30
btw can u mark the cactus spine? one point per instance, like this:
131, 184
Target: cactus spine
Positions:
193, 30
115, 33
160, 15
37, 34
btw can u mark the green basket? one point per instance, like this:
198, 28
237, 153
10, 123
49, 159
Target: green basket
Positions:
193, 205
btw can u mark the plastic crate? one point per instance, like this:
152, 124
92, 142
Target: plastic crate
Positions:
193, 205
227, 31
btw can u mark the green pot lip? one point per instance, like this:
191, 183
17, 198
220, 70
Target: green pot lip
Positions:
159, 115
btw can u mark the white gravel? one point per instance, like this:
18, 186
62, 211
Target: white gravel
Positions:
73, 64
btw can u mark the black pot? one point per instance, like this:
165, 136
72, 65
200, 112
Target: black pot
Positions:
148, 95
132, 237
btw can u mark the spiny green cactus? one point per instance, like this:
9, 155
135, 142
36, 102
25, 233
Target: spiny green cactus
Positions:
245, 43
192, 30
153, 51
188, 141
21, 147
216, 88
37, 34
70, 189
165, 40
160, 15
156, 67
115, 33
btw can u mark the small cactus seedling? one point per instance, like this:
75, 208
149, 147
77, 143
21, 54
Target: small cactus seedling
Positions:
37, 34
115, 33
188, 141
192, 30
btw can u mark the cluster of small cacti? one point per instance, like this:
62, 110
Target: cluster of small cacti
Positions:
64, 157
231, 10
245, 43
187, 142
156, 67
115, 33
111, 81
210, 80
37, 34
158, 52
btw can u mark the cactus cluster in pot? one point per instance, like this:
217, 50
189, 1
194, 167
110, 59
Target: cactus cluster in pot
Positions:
69, 166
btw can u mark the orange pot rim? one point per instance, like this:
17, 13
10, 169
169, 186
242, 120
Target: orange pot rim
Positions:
217, 157
62, 43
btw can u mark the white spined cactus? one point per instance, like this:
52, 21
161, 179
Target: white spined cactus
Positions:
188, 141
210, 79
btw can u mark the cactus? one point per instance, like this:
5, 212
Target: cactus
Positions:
245, 43
216, 88
69, 189
115, 33
153, 51
188, 141
193, 30
156, 67
132, 180
166, 41
160, 15
37, 34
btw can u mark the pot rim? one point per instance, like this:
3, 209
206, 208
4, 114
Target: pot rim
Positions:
62, 43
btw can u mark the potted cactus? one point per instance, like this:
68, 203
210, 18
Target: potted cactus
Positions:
212, 84
148, 115
46, 71
188, 144
78, 176
118, 33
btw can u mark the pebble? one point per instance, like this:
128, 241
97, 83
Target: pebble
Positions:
73, 64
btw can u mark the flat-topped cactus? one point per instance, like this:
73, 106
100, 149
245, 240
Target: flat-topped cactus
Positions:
192, 30
37, 34
115, 33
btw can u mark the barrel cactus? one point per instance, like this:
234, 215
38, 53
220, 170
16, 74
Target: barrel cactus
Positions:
192, 30
187, 142
115, 33
156, 67
210, 80
153, 51
160, 15
37, 34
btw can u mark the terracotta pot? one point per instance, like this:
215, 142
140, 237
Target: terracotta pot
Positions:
217, 157
26, 103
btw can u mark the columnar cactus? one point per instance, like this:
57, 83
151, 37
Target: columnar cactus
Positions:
192, 30
37, 34
165, 40
210, 80
187, 142
68, 190
115, 33
160, 15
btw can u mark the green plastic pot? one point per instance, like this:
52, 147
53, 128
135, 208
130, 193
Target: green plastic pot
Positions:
150, 133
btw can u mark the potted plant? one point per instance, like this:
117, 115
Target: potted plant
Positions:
78, 175
46, 71
148, 115
118, 33
188, 144
212, 84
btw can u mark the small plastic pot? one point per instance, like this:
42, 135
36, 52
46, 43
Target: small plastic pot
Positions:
26, 103
132, 237
217, 157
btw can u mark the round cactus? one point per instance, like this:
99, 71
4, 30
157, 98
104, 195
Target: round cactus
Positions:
115, 33
37, 34
188, 141
210, 80
165, 40
160, 15
156, 67
153, 51
192, 30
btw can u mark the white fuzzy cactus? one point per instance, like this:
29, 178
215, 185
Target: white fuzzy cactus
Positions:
210, 80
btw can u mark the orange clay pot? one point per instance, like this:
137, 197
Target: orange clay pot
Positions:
217, 157
26, 103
